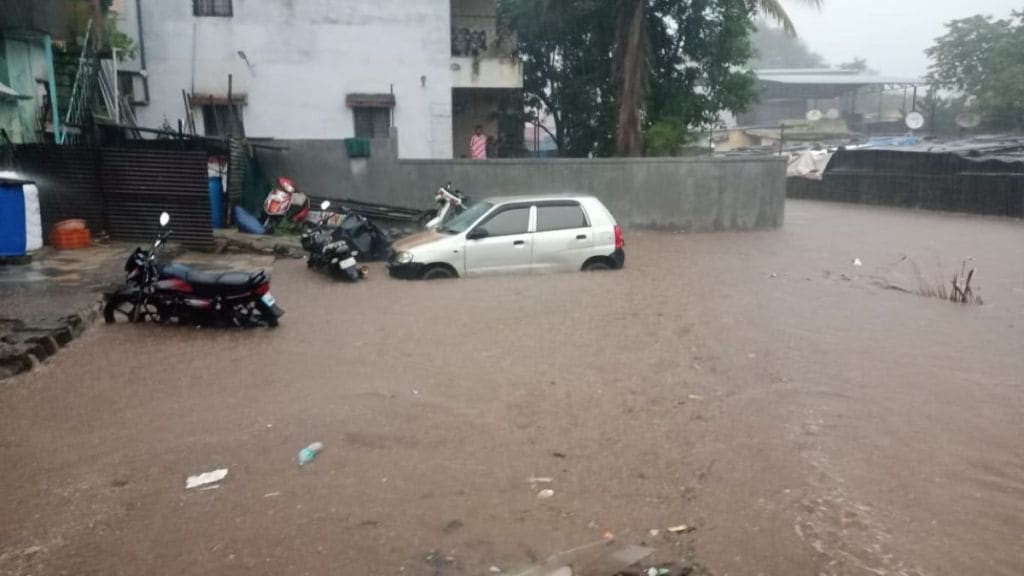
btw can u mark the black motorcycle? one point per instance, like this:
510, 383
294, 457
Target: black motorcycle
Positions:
153, 291
329, 249
368, 242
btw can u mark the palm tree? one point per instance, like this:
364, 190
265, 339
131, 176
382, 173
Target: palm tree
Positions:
631, 71
774, 10
630, 65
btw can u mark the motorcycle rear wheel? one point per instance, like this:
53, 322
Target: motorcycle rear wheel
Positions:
350, 274
255, 314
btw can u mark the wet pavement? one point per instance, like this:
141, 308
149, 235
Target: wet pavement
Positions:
804, 414
57, 283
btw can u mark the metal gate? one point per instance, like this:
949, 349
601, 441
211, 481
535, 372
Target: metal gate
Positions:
140, 184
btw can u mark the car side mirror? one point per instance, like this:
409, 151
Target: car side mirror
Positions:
164, 219
477, 234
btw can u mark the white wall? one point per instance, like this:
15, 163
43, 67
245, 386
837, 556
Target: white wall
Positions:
304, 56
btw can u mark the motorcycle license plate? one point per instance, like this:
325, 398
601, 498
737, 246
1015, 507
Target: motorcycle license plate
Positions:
268, 299
347, 263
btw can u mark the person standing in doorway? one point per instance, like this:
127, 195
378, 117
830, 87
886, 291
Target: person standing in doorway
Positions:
478, 144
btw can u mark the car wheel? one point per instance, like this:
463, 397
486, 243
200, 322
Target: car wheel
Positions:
596, 265
438, 273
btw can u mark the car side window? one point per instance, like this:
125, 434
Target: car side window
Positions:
507, 222
560, 217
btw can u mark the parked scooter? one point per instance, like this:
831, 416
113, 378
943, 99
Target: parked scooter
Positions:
284, 202
153, 291
329, 250
447, 204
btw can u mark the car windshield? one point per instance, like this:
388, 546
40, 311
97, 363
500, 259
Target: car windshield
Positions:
460, 223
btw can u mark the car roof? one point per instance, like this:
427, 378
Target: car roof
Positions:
540, 197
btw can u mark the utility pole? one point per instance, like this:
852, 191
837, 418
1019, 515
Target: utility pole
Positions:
117, 90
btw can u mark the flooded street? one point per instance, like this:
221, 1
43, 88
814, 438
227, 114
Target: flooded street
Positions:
806, 415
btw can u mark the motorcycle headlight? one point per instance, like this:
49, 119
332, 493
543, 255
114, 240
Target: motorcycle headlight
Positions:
403, 257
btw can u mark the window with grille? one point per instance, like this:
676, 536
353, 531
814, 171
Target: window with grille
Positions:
221, 8
372, 122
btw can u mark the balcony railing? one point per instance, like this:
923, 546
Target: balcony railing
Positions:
469, 41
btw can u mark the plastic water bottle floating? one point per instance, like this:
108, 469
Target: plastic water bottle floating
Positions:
308, 454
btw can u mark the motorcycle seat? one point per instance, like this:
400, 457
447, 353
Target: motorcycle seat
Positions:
213, 282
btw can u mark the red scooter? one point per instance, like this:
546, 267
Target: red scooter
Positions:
284, 202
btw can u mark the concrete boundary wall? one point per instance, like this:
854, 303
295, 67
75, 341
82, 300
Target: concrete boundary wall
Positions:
694, 194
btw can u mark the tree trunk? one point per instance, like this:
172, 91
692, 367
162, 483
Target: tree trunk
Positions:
632, 51
98, 25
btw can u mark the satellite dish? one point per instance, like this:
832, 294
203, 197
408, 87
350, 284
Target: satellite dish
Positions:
814, 115
968, 120
914, 120
833, 114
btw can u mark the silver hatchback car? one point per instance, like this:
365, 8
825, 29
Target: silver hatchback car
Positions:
515, 235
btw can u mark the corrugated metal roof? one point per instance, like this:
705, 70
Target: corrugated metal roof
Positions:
833, 79
804, 71
976, 147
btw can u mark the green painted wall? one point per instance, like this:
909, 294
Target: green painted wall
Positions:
19, 66
3, 59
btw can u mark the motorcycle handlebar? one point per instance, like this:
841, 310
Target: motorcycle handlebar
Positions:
161, 238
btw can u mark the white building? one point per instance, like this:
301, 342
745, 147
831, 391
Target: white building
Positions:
323, 69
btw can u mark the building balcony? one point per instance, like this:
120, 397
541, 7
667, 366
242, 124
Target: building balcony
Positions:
486, 72
483, 56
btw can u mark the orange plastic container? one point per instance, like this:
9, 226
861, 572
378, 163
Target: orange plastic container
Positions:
73, 224
69, 239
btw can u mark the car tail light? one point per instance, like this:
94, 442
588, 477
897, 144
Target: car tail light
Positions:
619, 241
263, 289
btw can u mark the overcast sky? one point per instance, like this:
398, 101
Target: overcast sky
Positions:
891, 34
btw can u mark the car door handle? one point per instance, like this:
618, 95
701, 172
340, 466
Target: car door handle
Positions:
581, 236
519, 242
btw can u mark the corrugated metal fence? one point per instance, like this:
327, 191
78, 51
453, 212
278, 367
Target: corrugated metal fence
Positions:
122, 190
140, 184
915, 179
68, 182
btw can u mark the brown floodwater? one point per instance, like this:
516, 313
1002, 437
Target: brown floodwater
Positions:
805, 415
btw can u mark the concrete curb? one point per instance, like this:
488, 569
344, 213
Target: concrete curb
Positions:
24, 346
285, 246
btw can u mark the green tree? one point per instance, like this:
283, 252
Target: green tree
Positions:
775, 48
105, 33
983, 59
859, 65
685, 68
634, 49
565, 46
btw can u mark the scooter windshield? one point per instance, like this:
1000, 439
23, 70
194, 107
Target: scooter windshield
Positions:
463, 221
